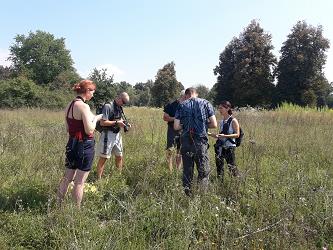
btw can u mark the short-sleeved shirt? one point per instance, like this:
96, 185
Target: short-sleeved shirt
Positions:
194, 114
112, 112
170, 109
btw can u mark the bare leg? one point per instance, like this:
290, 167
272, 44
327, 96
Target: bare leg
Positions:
178, 161
119, 162
63, 186
79, 180
100, 167
169, 157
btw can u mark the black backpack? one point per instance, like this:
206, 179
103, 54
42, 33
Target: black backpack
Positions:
99, 110
238, 141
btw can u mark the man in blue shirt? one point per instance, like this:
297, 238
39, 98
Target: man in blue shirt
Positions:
194, 116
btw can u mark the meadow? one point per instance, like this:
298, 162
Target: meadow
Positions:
283, 199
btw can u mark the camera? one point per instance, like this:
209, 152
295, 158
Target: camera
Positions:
126, 127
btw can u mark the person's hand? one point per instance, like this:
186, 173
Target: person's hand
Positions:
212, 135
121, 123
220, 136
98, 117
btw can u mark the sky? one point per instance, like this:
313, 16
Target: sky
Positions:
134, 39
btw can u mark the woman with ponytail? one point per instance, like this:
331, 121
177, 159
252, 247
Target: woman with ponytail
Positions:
225, 144
80, 148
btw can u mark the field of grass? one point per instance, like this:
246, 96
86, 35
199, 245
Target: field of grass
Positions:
284, 199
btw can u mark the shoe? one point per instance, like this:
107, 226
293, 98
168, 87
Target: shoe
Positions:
188, 191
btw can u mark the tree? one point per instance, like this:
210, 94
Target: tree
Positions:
21, 92
166, 87
203, 91
105, 89
40, 56
6, 72
300, 70
225, 71
143, 93
64, 80
245, 71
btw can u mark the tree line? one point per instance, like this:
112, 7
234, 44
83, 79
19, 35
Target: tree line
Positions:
248, 73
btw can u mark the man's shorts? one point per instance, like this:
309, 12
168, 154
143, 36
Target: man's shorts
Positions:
80, 154
110, 143
173, 138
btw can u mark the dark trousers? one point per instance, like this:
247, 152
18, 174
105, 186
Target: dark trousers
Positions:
227, 154
195, 151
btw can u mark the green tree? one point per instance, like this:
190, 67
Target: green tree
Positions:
40, 56
166, 87
106, 90
143, 93
6, 72
21, 92
203, 91
300, 70
225, 71
64, 80
245, 70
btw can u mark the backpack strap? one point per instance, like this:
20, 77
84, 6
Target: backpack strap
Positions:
229, 122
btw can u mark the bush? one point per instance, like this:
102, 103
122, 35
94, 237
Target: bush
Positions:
21, 92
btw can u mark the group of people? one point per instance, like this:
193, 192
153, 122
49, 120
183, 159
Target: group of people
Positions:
188, 118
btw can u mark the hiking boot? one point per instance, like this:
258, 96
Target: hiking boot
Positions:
188, 191
234, 171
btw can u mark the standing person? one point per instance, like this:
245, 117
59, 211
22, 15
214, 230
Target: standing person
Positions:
194, 116
110, 141
225, 145
173, 139
80, 149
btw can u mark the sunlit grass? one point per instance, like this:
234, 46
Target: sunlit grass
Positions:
284, 199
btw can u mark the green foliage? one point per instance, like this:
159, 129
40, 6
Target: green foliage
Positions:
20, 92
40, 56
6, 72
203, 91
105, 88
142, 96
300, 70
64, 80
290, 107
166, 87
245, 69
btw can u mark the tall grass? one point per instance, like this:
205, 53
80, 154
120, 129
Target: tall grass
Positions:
284, 199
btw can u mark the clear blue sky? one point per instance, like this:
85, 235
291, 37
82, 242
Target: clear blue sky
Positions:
136, 38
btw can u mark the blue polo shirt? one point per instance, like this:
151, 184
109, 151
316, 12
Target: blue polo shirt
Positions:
193, 115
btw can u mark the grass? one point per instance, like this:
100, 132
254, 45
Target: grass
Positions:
284, 199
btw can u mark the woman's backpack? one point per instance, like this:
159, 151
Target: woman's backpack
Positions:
238, 141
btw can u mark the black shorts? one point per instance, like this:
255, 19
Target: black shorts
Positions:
80, 154
173, 138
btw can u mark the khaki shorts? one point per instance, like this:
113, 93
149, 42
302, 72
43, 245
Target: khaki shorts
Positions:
110, 144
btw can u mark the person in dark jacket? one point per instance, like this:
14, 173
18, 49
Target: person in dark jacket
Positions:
173, 140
